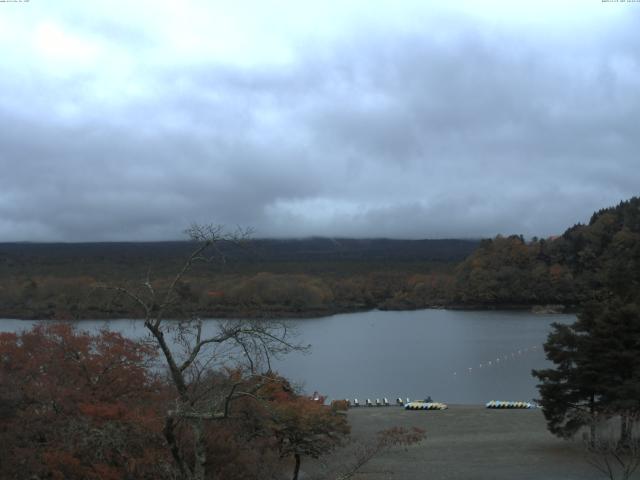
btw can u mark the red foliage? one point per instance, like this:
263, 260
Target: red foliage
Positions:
339, 405
233, 453
75, 405
80, 406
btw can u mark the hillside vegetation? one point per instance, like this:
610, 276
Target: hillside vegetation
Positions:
319, 276
587, 262
270, 278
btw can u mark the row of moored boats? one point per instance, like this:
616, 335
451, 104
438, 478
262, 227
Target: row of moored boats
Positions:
430, 405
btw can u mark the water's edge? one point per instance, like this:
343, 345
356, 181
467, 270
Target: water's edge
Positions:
455, 356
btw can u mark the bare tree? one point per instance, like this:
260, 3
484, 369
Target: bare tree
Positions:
613, 447
349, 462
192, 350
385, 440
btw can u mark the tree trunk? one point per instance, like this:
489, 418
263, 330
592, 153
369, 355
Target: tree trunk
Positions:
625, 431
169, 434
200, 450
592, 425
176, 374
296, 469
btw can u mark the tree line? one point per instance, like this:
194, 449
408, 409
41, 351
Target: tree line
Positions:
318, 278
594, 384
583, 263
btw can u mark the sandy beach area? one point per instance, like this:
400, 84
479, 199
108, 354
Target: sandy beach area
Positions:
469, 442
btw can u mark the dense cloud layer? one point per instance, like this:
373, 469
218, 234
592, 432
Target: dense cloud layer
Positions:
399, 122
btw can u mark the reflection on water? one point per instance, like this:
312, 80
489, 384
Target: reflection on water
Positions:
453, 356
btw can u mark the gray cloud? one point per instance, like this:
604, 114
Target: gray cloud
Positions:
464, 130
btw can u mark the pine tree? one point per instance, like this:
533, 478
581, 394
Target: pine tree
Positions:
597, 368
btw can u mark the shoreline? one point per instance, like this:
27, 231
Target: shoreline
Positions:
301, 315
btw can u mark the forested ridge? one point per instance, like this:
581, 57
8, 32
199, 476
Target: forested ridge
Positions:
585, 263
270, 278
318, 276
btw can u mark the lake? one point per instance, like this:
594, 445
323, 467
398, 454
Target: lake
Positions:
462, 357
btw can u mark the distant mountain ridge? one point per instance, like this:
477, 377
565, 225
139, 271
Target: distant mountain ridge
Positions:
264, 277
307, 249
319, 276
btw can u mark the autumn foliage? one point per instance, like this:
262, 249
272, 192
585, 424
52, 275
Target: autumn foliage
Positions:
75, 405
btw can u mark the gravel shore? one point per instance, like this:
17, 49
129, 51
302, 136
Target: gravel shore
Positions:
469, 442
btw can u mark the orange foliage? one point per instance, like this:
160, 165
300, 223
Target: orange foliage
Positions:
556, 272
78, 406
339, 405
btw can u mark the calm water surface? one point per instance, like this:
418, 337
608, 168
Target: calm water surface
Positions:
441, 353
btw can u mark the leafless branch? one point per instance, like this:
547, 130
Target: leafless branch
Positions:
203, 394
614, 451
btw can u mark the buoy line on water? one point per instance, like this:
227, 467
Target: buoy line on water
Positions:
501, 358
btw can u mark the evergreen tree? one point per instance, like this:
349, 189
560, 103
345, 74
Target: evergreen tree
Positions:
597, 368
567, 394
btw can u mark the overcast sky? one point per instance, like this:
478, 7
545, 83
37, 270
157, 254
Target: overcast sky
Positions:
129, 120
